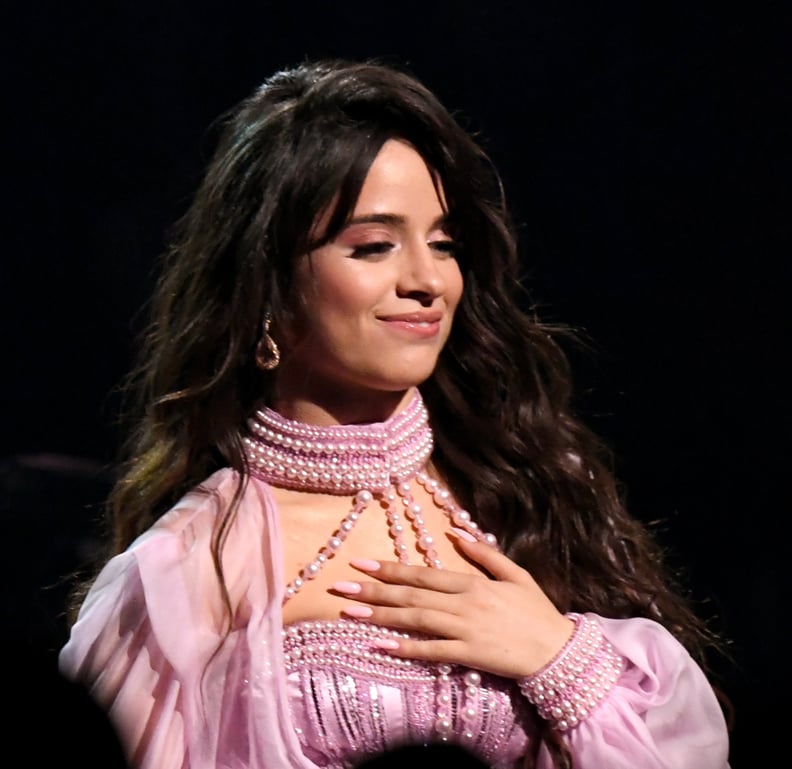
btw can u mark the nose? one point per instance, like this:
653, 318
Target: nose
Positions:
421, 276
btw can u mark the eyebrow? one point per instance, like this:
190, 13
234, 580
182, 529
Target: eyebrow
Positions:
392, 219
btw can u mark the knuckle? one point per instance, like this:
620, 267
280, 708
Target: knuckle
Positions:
423, 578
421, 620
411, 596
479, 592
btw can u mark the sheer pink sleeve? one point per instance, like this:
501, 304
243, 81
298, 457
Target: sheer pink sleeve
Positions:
661, 713
115, 651
147, 645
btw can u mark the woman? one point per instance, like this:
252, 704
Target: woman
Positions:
358, 512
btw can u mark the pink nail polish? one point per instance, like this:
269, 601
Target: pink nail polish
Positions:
462, 534
385, 643
346, 587
358, 611
365, 564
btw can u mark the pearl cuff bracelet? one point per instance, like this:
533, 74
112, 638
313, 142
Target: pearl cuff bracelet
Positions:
577, 679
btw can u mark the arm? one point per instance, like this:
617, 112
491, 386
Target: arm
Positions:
114, 653
148, 641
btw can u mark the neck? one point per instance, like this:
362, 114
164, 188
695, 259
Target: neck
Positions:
347, 408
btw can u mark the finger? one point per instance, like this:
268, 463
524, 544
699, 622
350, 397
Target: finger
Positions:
394, 595
440, 580
432, 650
416, 622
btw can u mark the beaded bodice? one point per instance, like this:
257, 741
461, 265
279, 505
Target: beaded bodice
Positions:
350, 700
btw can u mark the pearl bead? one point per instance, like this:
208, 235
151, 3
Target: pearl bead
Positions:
443, 726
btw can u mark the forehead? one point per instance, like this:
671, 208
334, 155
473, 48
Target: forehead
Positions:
399, 181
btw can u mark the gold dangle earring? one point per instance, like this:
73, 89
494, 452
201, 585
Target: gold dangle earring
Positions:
267, 352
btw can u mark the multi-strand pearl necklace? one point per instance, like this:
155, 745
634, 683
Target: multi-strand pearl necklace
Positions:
369, 462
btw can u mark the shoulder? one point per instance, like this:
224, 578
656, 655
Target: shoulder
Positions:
175, 556
166, 581
181, 541
195, 517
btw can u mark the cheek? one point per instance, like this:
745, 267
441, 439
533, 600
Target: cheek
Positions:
337, 303
331, 313
348, 293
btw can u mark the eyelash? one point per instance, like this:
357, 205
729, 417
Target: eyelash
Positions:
372, 249
446, 246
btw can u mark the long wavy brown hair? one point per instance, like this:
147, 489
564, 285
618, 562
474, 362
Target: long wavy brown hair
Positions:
501, 400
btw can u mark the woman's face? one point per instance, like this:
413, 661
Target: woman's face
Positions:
377, 302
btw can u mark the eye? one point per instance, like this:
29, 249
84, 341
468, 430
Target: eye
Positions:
449, 247
371, 249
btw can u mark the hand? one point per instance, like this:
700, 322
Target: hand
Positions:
504, 624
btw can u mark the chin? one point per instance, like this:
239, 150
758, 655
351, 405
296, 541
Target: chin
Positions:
397, 384
411, 371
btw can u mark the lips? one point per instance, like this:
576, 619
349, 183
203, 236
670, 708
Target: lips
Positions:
414, 317
415, 325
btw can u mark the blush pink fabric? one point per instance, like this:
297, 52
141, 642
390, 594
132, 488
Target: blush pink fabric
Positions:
147, 647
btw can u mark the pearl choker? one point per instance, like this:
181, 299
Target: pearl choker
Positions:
339, 459
374, 461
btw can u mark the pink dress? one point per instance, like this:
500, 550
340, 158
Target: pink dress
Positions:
147, 646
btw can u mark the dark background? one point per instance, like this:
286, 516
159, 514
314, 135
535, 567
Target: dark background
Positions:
645, 155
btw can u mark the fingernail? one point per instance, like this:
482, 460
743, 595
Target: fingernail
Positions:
346, 587
356, 610
365, 564
385, 643
462, 534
